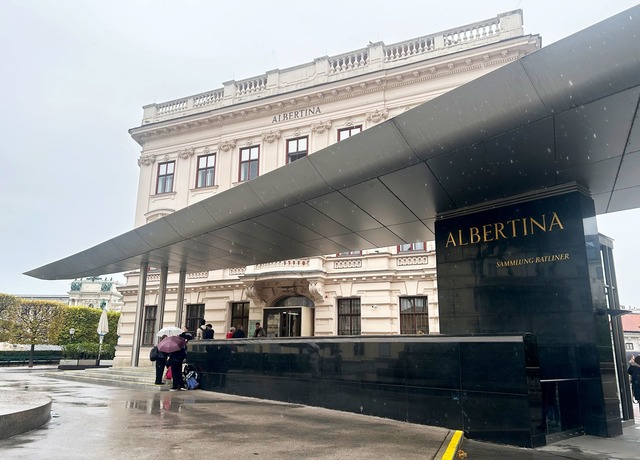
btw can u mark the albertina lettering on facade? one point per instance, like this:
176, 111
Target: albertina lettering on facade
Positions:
512, 228
295, 114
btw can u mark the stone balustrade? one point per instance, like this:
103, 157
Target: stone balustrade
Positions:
292, 265
349, 61
375, 57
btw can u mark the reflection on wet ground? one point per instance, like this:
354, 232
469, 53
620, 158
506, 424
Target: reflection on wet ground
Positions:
108, 422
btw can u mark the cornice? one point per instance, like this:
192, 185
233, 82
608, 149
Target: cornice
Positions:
435, 68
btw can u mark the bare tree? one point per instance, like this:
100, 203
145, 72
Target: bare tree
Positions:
30, 322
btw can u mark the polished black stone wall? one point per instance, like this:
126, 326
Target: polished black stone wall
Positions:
500, 273
486, 386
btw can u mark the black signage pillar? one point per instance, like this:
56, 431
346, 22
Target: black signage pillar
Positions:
535, 267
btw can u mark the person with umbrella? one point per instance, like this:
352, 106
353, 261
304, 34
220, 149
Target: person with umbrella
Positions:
176, 347
160, 360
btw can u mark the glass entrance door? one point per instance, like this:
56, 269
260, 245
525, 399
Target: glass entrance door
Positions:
283, 322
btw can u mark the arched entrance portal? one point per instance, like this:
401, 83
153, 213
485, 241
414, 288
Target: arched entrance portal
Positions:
290, 317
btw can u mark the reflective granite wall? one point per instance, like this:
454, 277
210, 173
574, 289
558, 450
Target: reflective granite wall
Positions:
535, 268
487, 387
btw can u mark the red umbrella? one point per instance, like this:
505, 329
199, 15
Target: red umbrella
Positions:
171, 344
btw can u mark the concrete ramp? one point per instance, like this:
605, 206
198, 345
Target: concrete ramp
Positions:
22, 411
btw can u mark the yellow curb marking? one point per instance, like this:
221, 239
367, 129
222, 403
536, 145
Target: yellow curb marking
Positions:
450, 453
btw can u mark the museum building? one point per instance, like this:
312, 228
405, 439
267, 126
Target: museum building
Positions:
199, 146
317, 216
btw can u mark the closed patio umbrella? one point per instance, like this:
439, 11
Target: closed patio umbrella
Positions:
103, 328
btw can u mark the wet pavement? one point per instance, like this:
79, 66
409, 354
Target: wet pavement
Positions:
625, 447
96, 421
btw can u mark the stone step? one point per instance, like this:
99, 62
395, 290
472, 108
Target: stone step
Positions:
141, 378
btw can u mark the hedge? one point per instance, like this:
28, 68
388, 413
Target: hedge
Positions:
88, 350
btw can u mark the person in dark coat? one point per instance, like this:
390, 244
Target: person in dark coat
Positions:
186, 334
175, 362
161, 363
208, 332
260, 332
239, 333
634, 372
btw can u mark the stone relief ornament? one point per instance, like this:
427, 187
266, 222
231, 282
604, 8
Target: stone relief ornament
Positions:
227, 145
316, 289
271, 136
255, 294
378, 115
146, 160
186, 153
321, 127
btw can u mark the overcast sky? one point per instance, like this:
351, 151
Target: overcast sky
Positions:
77, 73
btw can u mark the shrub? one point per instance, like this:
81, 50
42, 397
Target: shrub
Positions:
88, 350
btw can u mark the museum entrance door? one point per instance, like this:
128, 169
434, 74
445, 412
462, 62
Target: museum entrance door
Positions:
283, 322
291, 316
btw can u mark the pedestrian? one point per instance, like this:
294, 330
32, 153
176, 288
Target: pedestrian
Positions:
175, 361
239, 333
230, 333
186, 334
260, 332
208, 332
160, 360
634, 372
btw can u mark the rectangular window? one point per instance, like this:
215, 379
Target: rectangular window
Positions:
195, 316
249, 163
414, 315
165, 177
297, 148
349, 316
350, 253
206, 170
348, 132
149, 328
240, 315
628, 346
421, 246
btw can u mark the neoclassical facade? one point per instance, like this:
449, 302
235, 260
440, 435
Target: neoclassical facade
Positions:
96, 292
201, 145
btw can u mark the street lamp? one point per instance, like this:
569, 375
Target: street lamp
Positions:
71, 332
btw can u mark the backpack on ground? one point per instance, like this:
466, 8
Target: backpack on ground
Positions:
192, 380
191, 377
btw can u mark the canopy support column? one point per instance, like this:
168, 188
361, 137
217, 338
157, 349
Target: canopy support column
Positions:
180, 303
137, 326
162, 297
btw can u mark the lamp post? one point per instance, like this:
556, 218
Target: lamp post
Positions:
71, 332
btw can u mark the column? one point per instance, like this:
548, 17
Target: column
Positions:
180, 305
162, 296
137, 327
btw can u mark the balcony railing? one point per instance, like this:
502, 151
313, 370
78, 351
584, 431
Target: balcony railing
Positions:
377, 56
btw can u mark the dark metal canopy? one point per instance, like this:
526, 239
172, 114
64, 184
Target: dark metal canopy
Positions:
564, 114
